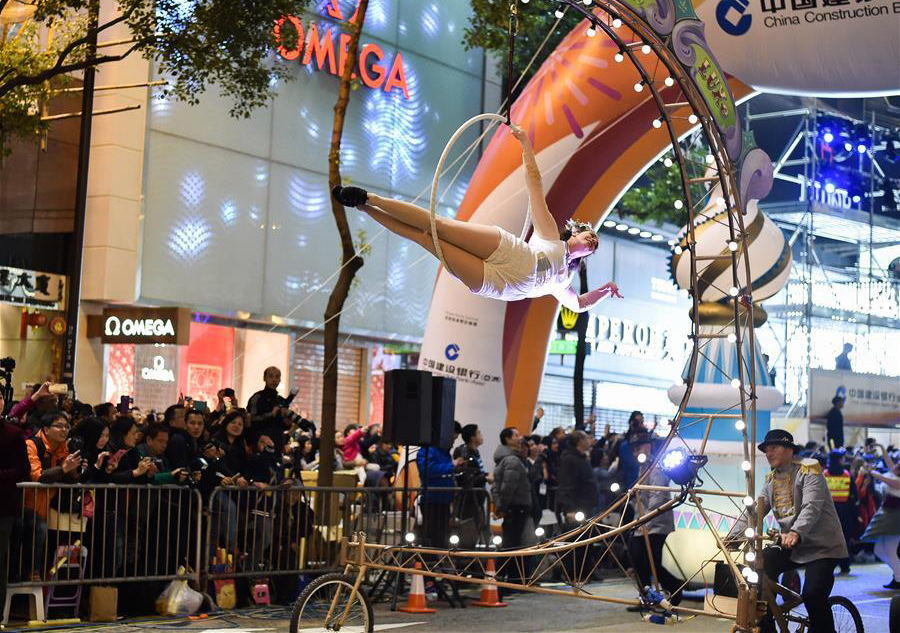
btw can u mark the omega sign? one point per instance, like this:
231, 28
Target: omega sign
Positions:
144, 325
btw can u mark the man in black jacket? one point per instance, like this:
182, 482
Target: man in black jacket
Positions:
15, 469
268, 410
577, 484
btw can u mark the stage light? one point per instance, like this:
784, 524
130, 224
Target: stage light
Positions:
692, 119
739, 425
749, 532
639, 86
848, 146
669, 82
645, 49
614, 487
829, 187
862, 148
591, 32
579, 516
609, 224
735, 383
667, 162
748, 501
657, 123
732, 337
681, 467
617, 23
642, 458
619, 57
539, 532
828, 136
746, 466
750, 557
497, 540
410, 537
678, 204
732, 246
454, 539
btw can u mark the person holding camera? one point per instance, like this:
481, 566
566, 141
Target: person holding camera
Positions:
185, 444
156, 438
472, 477
269, 412
50, 462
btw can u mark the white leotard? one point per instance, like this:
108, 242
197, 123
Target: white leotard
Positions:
521, 270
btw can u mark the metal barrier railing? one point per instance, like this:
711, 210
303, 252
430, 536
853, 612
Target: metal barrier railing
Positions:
71, 534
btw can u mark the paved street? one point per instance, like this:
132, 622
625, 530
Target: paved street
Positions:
526, 612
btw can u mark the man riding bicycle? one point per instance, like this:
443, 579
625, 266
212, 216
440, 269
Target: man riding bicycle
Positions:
811, 536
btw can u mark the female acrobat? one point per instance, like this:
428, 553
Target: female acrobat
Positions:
489, 260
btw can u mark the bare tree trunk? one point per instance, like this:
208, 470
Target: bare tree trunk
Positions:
351, 262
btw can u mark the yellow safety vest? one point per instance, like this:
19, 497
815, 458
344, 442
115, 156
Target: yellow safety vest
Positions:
838, 486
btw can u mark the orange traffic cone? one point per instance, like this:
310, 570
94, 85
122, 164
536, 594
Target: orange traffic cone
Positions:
489, 596
415, 602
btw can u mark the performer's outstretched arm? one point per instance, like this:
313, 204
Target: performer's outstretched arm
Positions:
584, 302
544, 224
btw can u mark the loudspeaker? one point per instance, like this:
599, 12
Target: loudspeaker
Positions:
407, 407
443, 411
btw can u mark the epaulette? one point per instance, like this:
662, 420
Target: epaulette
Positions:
809, 466
770, 475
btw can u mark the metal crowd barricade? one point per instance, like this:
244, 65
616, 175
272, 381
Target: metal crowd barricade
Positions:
277, 530
78, 534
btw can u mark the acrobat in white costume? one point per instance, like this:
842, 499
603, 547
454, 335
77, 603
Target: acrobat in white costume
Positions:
490, 261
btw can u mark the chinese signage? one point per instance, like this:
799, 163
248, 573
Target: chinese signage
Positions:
869, 400
142, 326
309, 45
32, 288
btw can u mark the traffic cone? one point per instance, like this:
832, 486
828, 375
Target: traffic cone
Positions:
415, 602
489, 596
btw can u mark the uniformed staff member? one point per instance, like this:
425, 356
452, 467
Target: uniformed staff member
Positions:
811, 536
843, 493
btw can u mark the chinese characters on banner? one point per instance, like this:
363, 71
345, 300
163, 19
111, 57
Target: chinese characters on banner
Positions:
870, 400
32, 288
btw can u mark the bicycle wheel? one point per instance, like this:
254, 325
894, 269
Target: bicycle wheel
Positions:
846, 616
310, 612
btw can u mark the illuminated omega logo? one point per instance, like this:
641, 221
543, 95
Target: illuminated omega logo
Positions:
114, 326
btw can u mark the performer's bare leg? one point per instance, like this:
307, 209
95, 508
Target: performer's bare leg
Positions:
478, 239
468, 268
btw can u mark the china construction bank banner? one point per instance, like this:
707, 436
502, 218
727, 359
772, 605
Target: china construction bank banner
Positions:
847, 48
869, 400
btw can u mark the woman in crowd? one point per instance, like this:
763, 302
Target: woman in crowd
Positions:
230, 435
91, 437
884, 529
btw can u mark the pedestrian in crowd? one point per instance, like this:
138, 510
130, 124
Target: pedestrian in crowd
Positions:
472, 478
156, 439
50, 462
652, 533
230, 437
884, 528
842, 360
538, 415
351, 454
835, 423
175, 416
865, 488
385, 456
549, 464
635, 425
106, 411
577, 485
124, 464
843, 493
268, 410
92, 436
24, 410
258, 514
15, 469
184, 448
512, 492
437, 470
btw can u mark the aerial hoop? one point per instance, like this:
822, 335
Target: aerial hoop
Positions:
437, 176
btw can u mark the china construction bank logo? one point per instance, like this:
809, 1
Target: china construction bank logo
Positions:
328, 49
452, 351
731, 16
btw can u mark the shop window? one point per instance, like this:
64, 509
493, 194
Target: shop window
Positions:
306, 376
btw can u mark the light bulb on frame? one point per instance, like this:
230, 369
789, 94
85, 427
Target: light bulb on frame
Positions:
454, 539
539, 531
732, 337
750, 557
669, 82
748, 501
667, 162
749, 532
732, 246
497, 540
746, 466
657, 123
692, 119
614, 487
617, 23
559, 14
645, 49
733, 291
641, 458
639, 86
579, 516
710, 159
739, 425
679, 204
735, 383
410, 537
619, 57
591, 32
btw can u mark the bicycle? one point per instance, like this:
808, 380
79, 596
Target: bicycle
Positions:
779, 618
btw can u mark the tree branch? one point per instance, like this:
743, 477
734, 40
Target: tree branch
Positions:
56, 70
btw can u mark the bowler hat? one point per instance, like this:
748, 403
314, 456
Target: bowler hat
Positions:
781, 438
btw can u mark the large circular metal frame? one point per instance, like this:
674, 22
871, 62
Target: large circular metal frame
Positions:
674, 103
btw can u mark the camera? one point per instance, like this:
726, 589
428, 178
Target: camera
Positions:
75, 444
7, 366
157, 461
